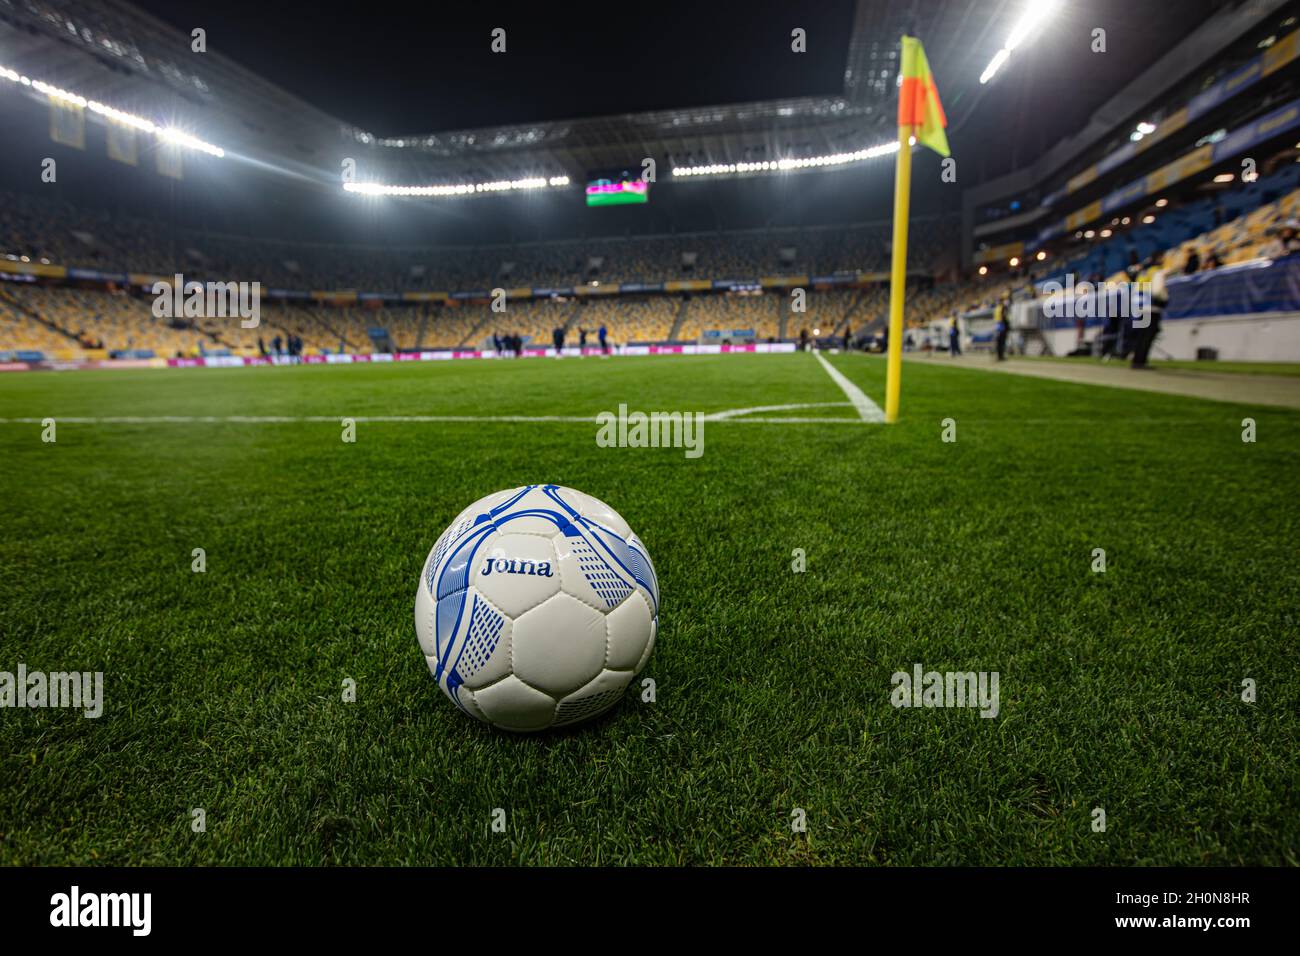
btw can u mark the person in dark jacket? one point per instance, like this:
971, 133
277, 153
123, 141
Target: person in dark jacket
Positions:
1144, 333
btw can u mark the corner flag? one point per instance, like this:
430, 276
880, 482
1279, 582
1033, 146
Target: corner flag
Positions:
918, 101
920, 114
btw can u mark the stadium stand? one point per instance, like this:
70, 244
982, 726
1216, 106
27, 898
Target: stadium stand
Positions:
54, 232
728, 312
22, 332
74, 319
66, 321
1244, 216
630, 318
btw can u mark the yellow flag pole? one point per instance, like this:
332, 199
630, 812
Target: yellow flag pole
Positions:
898, 272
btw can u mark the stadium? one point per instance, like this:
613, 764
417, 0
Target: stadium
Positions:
943, 356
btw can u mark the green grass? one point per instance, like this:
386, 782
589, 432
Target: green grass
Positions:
1289, 369
223, 690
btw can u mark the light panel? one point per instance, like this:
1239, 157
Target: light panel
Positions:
457, 189
168, 134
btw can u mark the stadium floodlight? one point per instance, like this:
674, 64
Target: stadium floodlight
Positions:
457, 189
783, 165
58, 94
126, 119
168, 134
179, 137
995, 64
1037, 12
1143, 129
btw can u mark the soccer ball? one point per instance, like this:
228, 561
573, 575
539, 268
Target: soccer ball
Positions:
536, 608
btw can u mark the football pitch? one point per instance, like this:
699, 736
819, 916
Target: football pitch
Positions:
226, 690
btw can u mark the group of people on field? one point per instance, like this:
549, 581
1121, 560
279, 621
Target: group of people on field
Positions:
1125, 333
511, 344
290, 346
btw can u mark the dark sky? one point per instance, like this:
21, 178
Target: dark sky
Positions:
395, 68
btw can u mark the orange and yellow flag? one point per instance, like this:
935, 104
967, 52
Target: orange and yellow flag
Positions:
918, 100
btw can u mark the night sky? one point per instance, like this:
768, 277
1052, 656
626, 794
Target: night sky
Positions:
394, 68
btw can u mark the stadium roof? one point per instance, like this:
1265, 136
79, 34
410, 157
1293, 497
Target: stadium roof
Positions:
113, 51
117, 53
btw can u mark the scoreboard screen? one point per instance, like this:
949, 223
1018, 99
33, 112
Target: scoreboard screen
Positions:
616, 187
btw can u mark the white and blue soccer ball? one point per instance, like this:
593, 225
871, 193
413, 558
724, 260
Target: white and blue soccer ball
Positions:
536, 608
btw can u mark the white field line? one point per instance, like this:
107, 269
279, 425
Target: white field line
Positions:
868, 409
729, 415
737, 412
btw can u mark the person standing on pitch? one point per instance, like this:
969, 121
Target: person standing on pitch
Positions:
600, 334
1158, 296
954, 338
1110, 336
1000, 332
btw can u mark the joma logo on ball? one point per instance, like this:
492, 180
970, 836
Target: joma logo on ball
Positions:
515, 566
